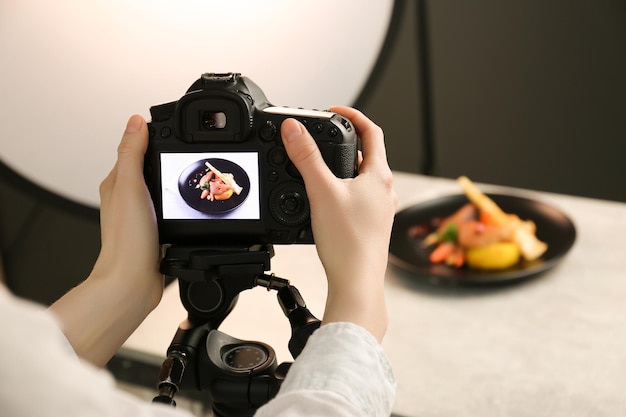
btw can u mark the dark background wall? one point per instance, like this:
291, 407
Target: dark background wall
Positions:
525, 93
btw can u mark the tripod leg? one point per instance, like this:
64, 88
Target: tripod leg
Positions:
170, 378
180, 355
303, 323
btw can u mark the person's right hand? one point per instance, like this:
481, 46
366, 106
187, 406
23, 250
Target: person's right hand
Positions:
351, 220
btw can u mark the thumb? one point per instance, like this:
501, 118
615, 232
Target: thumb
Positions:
130, 152
303, 151
132, 147
134, 141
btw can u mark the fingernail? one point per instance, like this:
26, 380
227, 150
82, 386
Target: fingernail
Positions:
291, 129
134, 124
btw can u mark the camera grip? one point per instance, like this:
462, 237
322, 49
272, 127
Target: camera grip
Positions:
340, 157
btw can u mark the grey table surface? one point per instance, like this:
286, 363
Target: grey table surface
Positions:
554, 345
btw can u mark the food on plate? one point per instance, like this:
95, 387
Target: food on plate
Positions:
523, 231
216, 185
499, 255
481, 235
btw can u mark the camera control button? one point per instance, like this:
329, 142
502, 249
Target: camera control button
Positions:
278, 156
289, 204
333, 132
273, 176
268, 131
166, 132
318, 128
292, 170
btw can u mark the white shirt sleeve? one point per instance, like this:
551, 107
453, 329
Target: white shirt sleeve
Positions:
342, 371
41, 375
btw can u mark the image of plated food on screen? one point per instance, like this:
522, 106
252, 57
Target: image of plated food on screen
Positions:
214, 185
209, 185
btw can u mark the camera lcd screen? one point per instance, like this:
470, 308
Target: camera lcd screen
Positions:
210, 185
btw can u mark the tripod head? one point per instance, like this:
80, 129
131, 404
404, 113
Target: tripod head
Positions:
239, 375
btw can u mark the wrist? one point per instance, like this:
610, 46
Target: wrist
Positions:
361, 303
99, 314
143, 289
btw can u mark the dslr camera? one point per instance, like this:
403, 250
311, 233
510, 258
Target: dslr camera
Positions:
217, 170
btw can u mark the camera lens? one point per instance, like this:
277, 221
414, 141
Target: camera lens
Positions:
213, 120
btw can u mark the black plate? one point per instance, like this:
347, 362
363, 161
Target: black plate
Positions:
553, 227
191, 176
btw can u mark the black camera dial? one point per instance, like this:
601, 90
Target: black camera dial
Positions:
289, 204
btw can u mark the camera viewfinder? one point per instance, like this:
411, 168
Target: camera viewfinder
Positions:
211, 120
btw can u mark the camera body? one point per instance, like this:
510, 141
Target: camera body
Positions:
217, 170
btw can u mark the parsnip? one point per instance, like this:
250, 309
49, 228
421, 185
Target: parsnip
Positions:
227, 178
523, 231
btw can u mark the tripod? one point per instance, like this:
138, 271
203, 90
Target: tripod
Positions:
240, 376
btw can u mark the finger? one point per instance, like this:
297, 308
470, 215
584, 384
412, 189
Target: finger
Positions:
130, 158
359, 158
371, 136
132, 148
128, 169
107, 185
304, 152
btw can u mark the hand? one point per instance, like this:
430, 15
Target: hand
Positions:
125, 283
130, 244
351, 220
